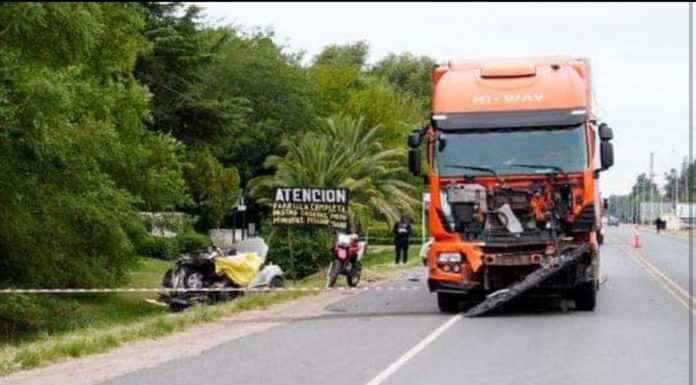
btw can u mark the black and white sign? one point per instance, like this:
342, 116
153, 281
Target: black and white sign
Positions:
306, 206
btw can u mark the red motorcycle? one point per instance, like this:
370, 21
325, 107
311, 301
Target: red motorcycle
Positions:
347, 252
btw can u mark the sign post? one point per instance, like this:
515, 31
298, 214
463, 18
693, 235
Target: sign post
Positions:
308, 207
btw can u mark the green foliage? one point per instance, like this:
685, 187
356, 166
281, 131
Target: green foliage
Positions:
385, 96
274, 87
343, 153
299, 252
159, 248
643, 186
192, 241
407, 72
26, 313
383, 231
169, 248
111, 109
174, 69
214, 188
349, 55
76, 162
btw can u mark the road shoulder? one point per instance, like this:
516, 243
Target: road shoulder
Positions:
95, 369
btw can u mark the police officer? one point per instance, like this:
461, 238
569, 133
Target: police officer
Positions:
402, 234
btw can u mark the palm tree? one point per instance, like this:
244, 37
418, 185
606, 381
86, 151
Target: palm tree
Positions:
342, 153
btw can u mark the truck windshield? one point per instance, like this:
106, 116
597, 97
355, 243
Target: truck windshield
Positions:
500, 149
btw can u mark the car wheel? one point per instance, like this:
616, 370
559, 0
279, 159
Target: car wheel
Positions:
277, 282
193, 279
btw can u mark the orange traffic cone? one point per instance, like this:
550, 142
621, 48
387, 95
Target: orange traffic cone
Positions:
636, 237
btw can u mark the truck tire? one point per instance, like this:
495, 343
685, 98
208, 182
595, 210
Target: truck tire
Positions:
586, 296
449, 302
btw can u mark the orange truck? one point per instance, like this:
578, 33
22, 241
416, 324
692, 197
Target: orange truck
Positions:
514, 153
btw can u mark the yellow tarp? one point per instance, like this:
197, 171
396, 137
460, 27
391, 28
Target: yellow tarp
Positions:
240, 268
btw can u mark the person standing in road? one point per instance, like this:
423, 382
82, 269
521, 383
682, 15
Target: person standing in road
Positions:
658, 224
402, 235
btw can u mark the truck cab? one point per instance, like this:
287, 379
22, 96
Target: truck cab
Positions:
512, 175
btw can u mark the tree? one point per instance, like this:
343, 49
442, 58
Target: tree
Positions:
352, 55
343, 86
175, 67
215, 189
672, 185
343, 153
76, 160
276, 89
407, 72
642, 187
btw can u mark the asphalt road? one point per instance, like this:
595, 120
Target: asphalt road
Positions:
637, 335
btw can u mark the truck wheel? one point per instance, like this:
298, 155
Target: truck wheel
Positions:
449, 302
586, 296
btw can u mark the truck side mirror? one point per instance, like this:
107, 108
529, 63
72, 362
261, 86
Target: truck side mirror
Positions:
414, 161
606, 152
414, 139
605, 132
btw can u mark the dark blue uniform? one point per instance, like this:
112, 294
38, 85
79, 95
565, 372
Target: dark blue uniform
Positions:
402, 234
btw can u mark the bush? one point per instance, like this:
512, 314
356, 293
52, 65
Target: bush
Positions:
192, 241
30, 313
311, 249
159, 248
381, 232
170, 248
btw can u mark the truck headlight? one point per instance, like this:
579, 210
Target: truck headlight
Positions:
449, 257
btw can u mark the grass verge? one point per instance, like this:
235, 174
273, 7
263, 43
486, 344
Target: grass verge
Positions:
80, 325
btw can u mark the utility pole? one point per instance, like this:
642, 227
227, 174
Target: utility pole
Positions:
676, 189
684, 172
640, 202
650, 185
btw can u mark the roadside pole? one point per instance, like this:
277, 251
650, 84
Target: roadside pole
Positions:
650, 185
292, 257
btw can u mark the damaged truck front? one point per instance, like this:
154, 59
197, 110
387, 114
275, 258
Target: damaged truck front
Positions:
514, 155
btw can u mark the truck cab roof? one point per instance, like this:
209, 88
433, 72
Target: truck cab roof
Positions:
511, 84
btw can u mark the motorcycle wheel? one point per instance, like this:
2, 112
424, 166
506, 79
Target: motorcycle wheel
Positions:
332, 273
353, 276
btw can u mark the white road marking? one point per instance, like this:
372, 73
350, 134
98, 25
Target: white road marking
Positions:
401, 361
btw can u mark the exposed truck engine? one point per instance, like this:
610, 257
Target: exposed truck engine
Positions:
514, 155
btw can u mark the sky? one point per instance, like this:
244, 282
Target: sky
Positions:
639, 54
